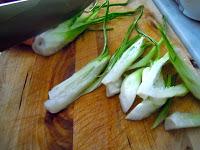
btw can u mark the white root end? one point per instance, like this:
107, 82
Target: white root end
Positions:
47, 44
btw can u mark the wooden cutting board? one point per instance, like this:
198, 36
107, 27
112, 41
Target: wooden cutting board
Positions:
93, 121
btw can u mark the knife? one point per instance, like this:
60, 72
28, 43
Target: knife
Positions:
22, 19
187, 29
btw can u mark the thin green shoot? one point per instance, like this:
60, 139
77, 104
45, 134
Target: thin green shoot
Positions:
171, 80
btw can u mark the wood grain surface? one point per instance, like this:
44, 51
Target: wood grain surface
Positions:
93, 121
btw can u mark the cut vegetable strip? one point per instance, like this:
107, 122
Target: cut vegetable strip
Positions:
74, 90
128, 57
178, 90
129, 89
188, 74
113, 88
150, 76
148, 105
180, 120
61, 88
74, 87
147, 58
53, 40
165, 109
142, 110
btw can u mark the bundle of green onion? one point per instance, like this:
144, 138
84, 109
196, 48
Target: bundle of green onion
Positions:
126, 72
71, 89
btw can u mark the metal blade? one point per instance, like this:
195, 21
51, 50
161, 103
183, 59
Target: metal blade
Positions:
187, 29
22, 19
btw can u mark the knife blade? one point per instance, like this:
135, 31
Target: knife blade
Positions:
23, 19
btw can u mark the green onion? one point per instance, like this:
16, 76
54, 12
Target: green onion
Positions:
126, 43
188, 74
147, 88
71, 89
129, 89
55, 39
165, 109
150, 76
142, 110
163, 114
128, 57
114, 87
147, 58
149, 104
180, 120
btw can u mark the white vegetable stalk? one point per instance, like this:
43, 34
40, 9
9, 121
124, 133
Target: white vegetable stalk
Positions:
150, 75
147, 88
75, 88
148, 105
53, 40
180, 120
61, 88
143, 110
113, 79
113, 88
178, 90
187, 72
129, 89
128, 57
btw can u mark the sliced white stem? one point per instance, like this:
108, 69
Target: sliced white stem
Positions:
142, 110
75, 89
52, 40
128, 57
61, 88
149, 105
180, 120
129, 89
55, 39
178, 90
149, 77
113, 88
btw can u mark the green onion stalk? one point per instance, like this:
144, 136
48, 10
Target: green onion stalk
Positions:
165, 109
129, 50
187, 72
180, 120
71, 89
153, 91
55, 39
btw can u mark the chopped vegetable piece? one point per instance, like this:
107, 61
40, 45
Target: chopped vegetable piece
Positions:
74, 87
188, 74
129, 89
147, 58
148, 105
128, 57
74, 90
113, 88
165, 109
142, 110
53, 40
163, 114
180, 120
178, 90
149, 76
